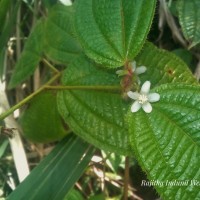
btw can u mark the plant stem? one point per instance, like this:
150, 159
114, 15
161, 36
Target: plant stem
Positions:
50, 66
48, 87
126, 179
83, 87
28, 98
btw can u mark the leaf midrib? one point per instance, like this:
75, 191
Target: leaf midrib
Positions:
117, 53
106, 120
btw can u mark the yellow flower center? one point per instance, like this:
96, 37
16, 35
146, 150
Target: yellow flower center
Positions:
142, 99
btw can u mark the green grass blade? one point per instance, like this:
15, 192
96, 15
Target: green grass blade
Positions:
53, 178
4, 7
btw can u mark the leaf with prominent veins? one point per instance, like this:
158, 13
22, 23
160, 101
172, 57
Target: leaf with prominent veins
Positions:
189, 18
95, 115
163, 67
166, 142
113, 32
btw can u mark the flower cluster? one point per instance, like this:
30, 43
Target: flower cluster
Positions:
144, 97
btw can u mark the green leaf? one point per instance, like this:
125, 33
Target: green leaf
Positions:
80, 109
7, 28
96, 116
166, 142
98, 197
3, 147
189, 17
54, 177
4, 7
113, 32
163, 67
41, 121
185, 55
61, 44
30, 57
73, 195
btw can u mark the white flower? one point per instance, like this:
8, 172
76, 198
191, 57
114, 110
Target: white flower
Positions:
66, 2
138, 70
134, 69
143, 98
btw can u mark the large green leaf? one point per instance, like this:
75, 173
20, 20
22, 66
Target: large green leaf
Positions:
163, 67
96, 116
167, 141
189, 17
106, 110
54, 177
30, 57
60, 40
113, 32
41, 121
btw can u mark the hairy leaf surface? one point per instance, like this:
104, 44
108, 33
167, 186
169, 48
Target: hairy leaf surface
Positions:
163, 66
167, 141
96, 116
91, 114
113, 32
60, 41
189, 17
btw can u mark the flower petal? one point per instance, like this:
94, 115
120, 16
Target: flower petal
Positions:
135, 106
139, 81
145, 87
133, 64
147, 107
153, 97
121, 72
66, 2
140, 70
133, 95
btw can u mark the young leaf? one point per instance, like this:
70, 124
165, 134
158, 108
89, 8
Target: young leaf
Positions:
189, 17
113, 32
54, 177
96, 116
30, 57
163, 67
166, 141
41, 121
61, 44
